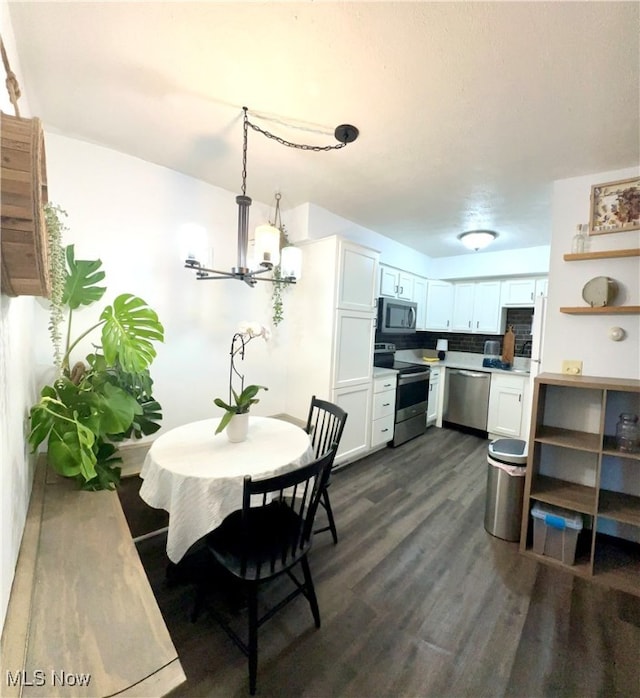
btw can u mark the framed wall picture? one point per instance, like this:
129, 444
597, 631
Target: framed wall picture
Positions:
615, 207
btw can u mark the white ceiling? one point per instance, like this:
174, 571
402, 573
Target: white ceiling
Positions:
467, 111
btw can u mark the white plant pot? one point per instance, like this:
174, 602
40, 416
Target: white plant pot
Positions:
238, 427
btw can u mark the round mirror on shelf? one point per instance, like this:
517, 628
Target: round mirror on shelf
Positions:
600, 291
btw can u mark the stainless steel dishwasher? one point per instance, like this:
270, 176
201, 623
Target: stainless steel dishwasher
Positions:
467, 398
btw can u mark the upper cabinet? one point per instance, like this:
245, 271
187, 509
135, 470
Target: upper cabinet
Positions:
476, 308
439, 305
357, 277
522, 292
420, 297
395, 283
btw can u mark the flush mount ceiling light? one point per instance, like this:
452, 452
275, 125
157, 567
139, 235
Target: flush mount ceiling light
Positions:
267, 236
477, 239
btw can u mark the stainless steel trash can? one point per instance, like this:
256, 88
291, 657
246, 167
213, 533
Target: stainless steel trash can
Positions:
506, 467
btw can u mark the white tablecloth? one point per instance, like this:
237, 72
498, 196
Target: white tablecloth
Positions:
197, 476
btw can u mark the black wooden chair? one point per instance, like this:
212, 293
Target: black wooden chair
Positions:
325, 425
268, 537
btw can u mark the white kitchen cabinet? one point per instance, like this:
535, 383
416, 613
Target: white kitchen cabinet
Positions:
439, 305
357, 277
507, 398
356, 402
420, 297
541, 287
395, 283
462, 316
518, 292
488, 317
434, 391
354, 338
330, 318
383, 411
476, 307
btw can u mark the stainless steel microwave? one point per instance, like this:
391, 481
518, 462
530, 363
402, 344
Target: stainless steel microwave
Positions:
396, 317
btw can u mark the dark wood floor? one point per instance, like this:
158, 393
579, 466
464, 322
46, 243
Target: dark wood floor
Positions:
418, 600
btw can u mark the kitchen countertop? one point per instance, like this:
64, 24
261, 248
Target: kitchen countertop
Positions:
463, 360
379, 372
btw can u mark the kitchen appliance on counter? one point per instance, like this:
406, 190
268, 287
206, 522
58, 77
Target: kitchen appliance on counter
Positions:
395, 316
412, 393
467, 398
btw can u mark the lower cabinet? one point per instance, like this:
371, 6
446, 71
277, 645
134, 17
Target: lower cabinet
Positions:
507, 398
356, 402
434, 391
383, 411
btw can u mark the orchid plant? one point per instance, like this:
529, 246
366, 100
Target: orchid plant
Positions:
240, 402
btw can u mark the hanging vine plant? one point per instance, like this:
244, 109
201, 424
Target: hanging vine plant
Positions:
279, 285
56, 227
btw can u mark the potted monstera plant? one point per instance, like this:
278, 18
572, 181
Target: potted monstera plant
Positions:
97, 402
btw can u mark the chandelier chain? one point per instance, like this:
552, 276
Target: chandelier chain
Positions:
244, 154
289, 144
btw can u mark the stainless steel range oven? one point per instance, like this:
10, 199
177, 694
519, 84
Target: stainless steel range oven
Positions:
412, 394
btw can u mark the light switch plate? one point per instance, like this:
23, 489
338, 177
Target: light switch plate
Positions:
572, 367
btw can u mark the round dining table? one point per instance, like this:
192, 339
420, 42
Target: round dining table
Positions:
197, 475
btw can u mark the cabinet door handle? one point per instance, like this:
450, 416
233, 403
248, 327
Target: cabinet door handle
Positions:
531, 295
469, 324
386, 404
447, 323
477, 324
519, 397
401, 289
387, 385
385, 429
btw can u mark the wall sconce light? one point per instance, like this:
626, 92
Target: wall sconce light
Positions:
477, 239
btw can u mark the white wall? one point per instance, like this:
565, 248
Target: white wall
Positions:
584, 337
528, 261
129, 213
17, 384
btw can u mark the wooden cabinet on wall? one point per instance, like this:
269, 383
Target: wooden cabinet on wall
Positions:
573, 463
331, 318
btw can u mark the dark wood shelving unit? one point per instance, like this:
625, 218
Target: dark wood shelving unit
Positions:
613, 561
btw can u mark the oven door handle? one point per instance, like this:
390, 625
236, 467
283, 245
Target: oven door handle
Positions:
413, 377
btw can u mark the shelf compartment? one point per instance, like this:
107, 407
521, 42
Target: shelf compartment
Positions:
602, 310
568, 438
605, 254
619, 507
617, 563
582, 566
609, 449
562, 493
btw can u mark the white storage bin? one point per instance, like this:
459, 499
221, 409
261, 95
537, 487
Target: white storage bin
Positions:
555, 532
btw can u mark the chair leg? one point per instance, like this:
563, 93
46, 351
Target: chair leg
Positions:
332, 524
311, 592
253, 638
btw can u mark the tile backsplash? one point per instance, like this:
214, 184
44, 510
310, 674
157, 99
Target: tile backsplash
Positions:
520, 318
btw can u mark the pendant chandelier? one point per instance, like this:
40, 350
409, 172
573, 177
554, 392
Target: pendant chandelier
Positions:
267, 237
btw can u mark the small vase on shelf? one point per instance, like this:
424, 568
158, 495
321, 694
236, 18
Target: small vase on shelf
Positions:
579, 241
628, 433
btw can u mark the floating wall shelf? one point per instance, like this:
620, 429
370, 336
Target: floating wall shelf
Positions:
602, 310
607, 254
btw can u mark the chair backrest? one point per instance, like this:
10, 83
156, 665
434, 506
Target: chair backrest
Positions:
278, 514
325, 425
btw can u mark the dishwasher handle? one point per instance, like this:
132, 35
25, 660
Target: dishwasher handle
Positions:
470, 374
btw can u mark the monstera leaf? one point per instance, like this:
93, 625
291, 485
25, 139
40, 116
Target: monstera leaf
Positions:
130, 327
82, 276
